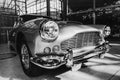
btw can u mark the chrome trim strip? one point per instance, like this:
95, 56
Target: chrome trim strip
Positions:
88, 56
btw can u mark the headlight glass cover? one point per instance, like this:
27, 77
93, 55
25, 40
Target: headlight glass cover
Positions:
49, 30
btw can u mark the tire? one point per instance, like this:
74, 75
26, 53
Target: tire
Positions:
29, 68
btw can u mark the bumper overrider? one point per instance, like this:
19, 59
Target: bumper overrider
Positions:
53, 60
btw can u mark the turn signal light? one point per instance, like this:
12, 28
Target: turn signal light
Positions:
47, 50
55, 48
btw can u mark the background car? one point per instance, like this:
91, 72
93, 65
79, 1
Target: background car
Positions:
47, 43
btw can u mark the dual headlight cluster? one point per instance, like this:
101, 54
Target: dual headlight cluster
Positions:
49, 30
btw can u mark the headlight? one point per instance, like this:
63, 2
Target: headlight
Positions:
106, 31
49, 30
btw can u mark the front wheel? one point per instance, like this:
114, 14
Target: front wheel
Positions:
29, 68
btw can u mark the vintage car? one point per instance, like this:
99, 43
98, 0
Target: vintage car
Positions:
48, 43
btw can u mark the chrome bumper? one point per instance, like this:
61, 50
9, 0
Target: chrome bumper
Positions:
101, 49
51, 61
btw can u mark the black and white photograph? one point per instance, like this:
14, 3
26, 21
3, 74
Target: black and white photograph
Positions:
59, 39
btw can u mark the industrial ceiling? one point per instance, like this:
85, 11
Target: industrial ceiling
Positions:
76, 5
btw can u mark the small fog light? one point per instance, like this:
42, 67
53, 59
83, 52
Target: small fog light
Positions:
55, 48
47, 50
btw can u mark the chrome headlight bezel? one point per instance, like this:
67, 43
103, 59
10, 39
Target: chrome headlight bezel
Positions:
49, 30
106, 31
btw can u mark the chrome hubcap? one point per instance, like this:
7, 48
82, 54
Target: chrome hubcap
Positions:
25, 56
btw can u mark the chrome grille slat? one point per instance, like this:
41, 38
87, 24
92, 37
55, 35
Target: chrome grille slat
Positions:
81, 40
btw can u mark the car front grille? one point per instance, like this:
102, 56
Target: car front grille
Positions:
81, 40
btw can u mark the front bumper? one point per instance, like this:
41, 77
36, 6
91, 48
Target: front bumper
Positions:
49, 61
101, 49
53, 60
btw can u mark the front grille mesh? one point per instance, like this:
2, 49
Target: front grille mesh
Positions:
81, 40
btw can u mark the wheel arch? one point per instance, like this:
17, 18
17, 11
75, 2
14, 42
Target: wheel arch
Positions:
20, 37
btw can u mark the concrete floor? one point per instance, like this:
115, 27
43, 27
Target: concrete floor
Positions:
96, 69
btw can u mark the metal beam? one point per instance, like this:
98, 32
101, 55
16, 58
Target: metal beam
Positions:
36, 6
21, 1
15, 1
4, 3
9, 3
26, 6
65, 9
48, 7
19, 9
91, 10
